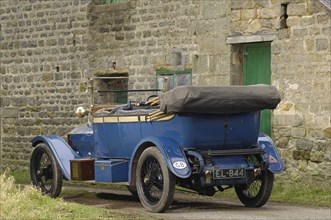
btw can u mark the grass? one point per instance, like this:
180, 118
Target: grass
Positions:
293, 193
24, 178
28, 203
299, 193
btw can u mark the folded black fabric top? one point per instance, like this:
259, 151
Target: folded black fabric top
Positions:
219, 99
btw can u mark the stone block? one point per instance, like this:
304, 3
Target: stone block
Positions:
327, 156
293, 21
274, 12
317, 156
312, 7
307, 20
303, 165
209, 27
326, 31
214, 9
291, 120
296, 9
327, 133
300, 32
248, 14
200, 63
322, 121
323, 18
304, 145
321, 44
212, 45
284, 132
286, 106
8, 112
282, 143
301, 155
309, 44
298, 132
254, 26
235, 15
51, 42
236, 4
295, 176
147, 34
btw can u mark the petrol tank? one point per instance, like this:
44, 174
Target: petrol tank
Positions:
81, 140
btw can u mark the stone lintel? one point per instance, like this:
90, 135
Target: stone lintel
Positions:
240, 39
112, 72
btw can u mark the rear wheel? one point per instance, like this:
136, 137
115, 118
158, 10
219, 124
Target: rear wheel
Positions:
258, 192
155, 183
44, 171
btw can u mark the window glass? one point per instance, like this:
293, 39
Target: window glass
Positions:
174, 79
183, 79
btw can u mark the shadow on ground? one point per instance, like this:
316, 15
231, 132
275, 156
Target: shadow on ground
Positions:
118, 199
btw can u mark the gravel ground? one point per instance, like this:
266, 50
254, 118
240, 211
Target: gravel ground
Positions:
186, 206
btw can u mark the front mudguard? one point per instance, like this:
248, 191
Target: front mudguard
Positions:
276, 164
61, 151
172, 153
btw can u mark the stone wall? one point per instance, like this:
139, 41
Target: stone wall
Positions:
302, 122
43, 59
49, 48
301, 69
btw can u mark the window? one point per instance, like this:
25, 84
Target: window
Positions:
112, 1
111, 89
283, 18
174, 78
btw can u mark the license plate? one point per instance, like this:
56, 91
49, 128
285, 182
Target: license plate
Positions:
229, 173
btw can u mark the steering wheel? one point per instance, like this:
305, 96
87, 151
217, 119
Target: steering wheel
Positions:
150, 97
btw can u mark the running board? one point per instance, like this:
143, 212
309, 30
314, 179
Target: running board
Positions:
233, 152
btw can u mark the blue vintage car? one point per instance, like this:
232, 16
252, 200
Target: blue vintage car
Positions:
201, 138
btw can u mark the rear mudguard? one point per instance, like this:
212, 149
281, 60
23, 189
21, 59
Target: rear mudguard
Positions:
172, 153
62, 152
276, 164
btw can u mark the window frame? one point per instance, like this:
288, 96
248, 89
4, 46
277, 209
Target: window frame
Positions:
162, 73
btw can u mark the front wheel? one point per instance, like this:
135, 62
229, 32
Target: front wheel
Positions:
44, 171
132, 190
155, 183
258, 192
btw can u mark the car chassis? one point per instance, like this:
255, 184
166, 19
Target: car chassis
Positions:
201, 138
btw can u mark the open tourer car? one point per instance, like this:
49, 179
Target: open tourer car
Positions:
203, 138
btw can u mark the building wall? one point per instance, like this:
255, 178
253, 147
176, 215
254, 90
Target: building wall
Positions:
49, 48
302, 125
151, 35
301, 69
43, 60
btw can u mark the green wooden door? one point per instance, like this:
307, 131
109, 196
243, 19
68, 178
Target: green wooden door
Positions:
257, 70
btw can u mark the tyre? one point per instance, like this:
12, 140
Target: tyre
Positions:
154, 181
44, 171
132, 190
258, 192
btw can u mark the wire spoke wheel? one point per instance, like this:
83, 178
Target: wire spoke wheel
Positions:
152, 180
258, 192
253, 190
44, 171
155, 183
